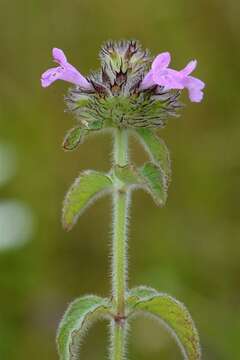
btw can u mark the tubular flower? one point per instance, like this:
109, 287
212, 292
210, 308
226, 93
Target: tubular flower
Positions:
161, 74
64, 71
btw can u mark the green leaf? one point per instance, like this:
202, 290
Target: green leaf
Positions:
139, 292
150, 177
128, 174
82, 101
95, 125
87, 187
172, 313
73, 138
77, 319
155, 182
156, 148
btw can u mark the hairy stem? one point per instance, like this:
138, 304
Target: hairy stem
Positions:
119, 263
118, 334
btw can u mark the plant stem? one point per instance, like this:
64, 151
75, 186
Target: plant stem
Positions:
119, 264
120, 203
118, 337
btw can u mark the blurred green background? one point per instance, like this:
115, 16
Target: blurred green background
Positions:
190, 248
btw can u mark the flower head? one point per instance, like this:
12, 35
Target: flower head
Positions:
161, 74
64, 71
128, 91
117, 99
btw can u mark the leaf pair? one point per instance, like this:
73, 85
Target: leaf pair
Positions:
154, 146
84, 311
91, 185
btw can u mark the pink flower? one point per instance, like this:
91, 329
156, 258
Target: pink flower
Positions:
161, 74
64, 71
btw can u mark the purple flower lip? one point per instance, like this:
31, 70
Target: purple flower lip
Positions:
64, 71
161, 74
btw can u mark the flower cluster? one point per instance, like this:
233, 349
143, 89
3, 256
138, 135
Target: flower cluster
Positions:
130, 90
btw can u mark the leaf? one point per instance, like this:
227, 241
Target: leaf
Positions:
87, 187
128, 174
95, 125
73, 138
155, 183
156, 148
139, 292
173, 314
149, 177
76, 320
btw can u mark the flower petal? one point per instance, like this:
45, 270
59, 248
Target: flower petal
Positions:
65, 72
194, 87
189, 68
161, 61
59, 56
72, 75
147, 81
195, 95
194, 82
169, 78
51, 75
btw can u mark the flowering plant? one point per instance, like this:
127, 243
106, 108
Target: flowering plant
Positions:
129, 95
